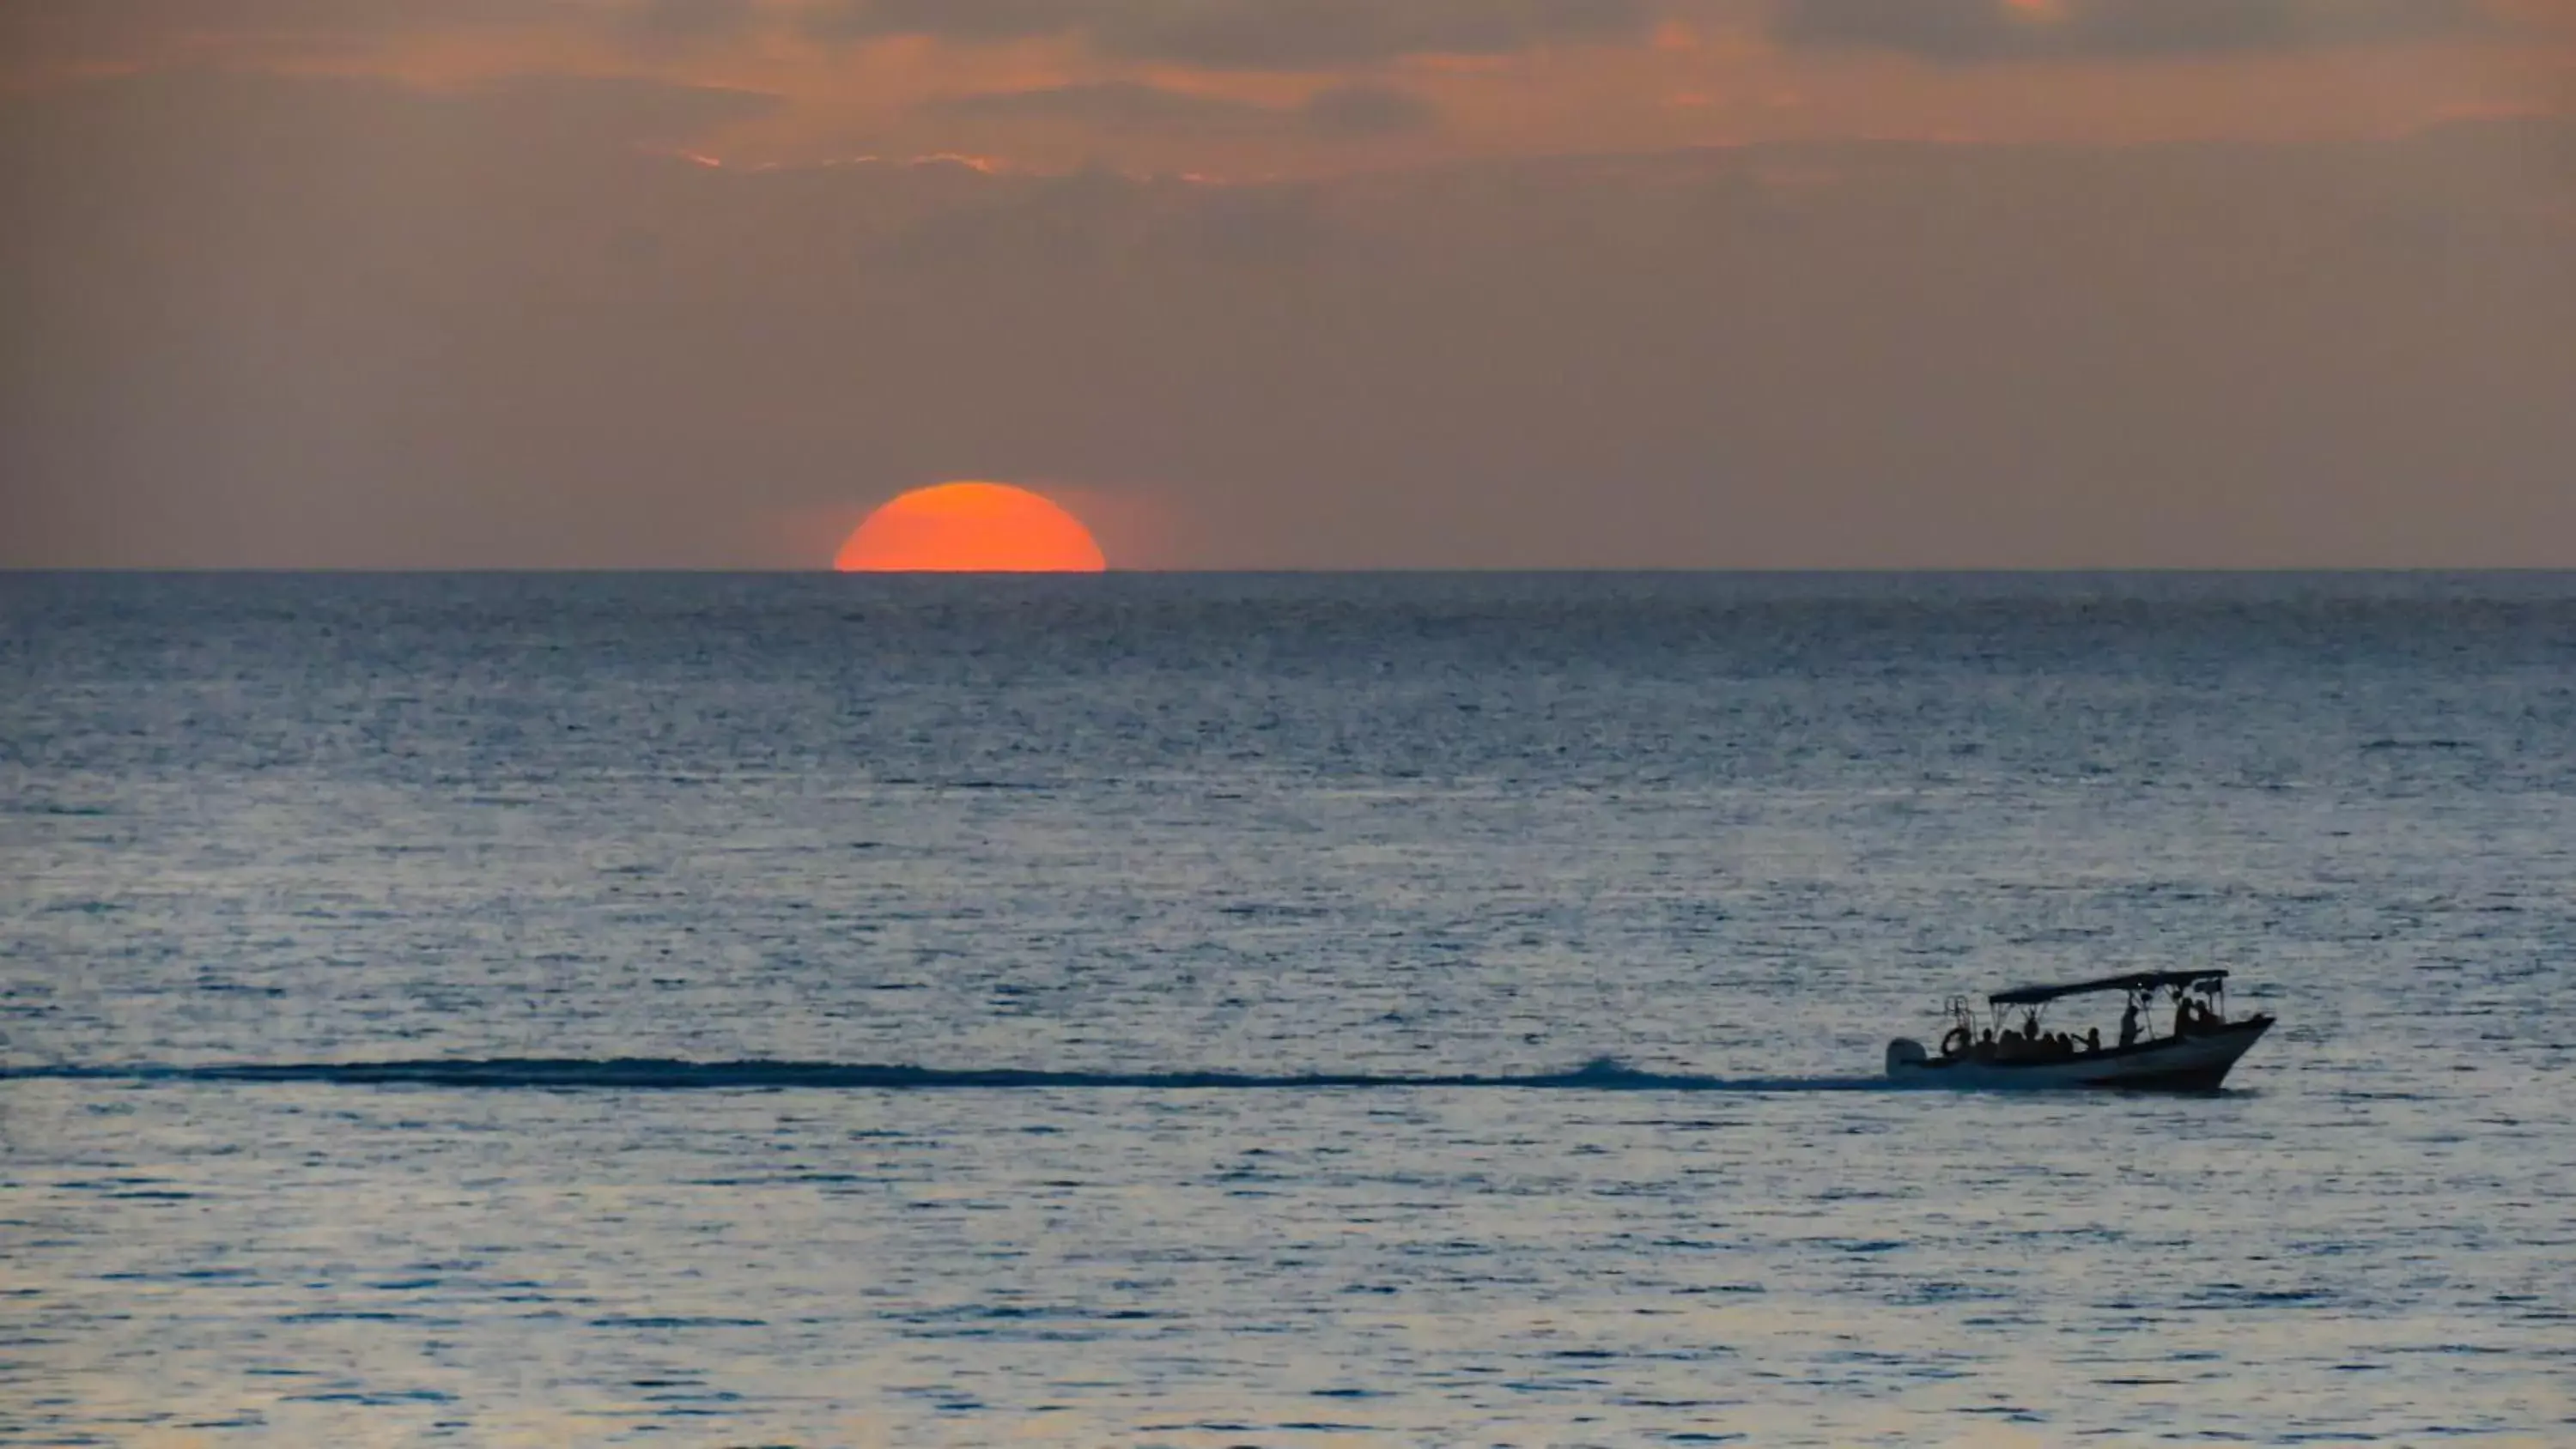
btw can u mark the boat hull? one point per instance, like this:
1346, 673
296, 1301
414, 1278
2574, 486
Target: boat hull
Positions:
2196, 1063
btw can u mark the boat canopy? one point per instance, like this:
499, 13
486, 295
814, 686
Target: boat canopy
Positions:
2133, 981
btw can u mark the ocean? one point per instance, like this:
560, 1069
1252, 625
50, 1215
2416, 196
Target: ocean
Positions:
1273, 1010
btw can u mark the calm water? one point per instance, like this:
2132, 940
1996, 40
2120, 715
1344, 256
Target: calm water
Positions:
1300, 1011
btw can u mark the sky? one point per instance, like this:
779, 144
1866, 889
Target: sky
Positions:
1307, 284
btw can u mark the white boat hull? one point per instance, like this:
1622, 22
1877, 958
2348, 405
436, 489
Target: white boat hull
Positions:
2197, 1063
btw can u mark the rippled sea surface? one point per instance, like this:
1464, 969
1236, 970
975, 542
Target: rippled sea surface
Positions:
1273, 1011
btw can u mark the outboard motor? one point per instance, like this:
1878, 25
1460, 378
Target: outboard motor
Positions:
1905, 1051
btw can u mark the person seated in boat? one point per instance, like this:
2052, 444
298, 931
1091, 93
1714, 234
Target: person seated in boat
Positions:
2129, 1024
2092, 1040
1986, 1045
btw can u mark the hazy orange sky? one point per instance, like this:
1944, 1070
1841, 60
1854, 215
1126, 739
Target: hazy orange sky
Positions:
1293, 283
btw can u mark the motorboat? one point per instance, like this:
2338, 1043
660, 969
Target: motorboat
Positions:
2200, 1041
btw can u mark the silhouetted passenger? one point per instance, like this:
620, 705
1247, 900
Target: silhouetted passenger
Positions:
2092, 1038
2129, 1024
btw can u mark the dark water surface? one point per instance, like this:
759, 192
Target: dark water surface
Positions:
1282, 1011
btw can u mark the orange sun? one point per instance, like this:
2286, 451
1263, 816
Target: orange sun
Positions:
990, 528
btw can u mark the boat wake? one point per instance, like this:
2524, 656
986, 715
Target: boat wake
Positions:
1603, 1074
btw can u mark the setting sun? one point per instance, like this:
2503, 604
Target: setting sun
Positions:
970, 528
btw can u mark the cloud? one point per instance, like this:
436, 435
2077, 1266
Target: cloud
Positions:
1250, 34
1108, 106
101, 28
1351, 111
690, 22
1366, 110
1222, 34
613, 110
128, 30
230, 123
1962, 32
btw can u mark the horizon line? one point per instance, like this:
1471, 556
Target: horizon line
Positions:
1392, 571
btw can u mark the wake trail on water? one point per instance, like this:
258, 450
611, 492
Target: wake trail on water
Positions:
659, 1074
